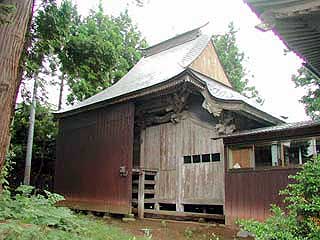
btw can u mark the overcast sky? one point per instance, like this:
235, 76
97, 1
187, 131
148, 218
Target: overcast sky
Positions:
159, 20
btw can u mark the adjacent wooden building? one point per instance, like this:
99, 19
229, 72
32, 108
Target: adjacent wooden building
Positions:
258, 163
153, 142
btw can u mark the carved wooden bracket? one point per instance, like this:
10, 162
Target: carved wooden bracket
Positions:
166, 109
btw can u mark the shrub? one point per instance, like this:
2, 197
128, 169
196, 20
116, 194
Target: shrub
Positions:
25, 215
301, 217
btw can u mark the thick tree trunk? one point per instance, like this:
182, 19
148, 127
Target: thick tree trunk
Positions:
12, 37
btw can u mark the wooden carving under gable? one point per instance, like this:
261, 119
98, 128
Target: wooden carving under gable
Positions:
166, 108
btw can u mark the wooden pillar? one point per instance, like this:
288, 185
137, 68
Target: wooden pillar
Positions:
141, 177
179, 187
282, 155
253, 156
156, 206
141, 195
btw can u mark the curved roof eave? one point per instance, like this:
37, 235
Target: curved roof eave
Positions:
224, 94
229, 104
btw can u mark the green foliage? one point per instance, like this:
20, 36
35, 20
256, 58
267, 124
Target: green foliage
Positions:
100, 52
188, 233
301, 218
50, 30
311, 100
29, 216
232, 59
43, 153
90, 52
7, 168
6, 10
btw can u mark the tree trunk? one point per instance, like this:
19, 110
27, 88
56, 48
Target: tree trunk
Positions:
32, 118
12, 37
61, 91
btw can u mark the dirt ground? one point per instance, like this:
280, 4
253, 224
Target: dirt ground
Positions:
177, 230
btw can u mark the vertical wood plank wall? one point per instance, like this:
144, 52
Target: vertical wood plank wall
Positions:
163, 149
209, 64
250, 193
91, 148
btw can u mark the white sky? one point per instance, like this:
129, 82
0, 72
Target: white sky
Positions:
159, 20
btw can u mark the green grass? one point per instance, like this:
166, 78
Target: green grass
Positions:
28, 216
94, 229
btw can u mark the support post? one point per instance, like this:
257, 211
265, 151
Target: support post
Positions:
156, 206
141, 195
179, 187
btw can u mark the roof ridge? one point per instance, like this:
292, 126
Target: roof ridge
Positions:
173, 41
195, 51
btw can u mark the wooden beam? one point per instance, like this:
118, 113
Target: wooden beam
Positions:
203, 201
141, 195
151, 182
184, 215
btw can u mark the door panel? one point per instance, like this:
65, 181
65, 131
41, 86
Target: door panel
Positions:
91, 148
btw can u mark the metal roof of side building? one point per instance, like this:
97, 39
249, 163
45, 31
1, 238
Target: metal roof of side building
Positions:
278, 132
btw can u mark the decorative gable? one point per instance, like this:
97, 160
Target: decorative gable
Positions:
208, 63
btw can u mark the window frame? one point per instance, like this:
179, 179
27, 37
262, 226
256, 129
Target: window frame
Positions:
201, 162
281, 143
240, 146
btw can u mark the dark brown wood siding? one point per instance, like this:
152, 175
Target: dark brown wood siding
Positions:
91, 148
248, 194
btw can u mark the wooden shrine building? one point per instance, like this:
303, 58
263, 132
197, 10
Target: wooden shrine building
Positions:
151, 143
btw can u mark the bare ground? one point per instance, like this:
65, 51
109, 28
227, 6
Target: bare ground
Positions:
177, 230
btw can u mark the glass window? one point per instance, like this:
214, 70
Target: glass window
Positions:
297, 151
267, 155
215, 157
195, 158
205, 157
187, 159
283, 153
240, 157
317, 142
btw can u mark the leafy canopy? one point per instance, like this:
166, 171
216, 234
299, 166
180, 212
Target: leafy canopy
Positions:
311, 100
100, 52
51, 27
90, 52
232, 59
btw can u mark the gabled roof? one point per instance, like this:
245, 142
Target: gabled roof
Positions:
154, 68
162, 63
296, 22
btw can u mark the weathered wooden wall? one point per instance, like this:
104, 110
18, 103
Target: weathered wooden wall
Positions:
163, 147
209, 64
249, 193
91, 148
